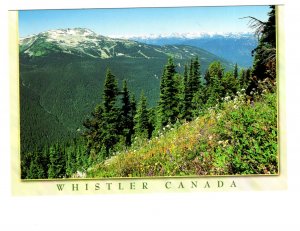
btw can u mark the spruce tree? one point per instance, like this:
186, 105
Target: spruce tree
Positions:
110, 92
245, 78
57, 165
36, 168
235, 71
94, 134
102, 129
127, 115
141, 118
194, 79
215, 90
110, 115
168, 105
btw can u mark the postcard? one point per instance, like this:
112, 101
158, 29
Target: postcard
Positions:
139, 100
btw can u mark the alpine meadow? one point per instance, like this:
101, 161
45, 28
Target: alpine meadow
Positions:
94, 105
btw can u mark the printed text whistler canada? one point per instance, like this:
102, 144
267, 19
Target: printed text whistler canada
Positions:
148, 92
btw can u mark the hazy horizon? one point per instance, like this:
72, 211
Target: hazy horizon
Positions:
137, 22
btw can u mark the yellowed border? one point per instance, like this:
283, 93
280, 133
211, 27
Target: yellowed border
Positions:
134, 185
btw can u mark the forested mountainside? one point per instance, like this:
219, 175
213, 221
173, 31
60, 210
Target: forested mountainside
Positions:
62, 75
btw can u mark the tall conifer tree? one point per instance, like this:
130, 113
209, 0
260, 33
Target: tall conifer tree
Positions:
235, 71
141, 118
110, 126
168, 105
126, 121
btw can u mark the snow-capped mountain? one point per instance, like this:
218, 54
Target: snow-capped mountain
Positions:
77, 41
189, 35
235, 47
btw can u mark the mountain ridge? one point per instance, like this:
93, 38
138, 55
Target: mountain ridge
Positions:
188, 35
236, 48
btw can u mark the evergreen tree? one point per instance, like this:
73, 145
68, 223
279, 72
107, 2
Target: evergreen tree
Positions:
230, 84
141, 118
34, 165
245, 78
215, 90
207, 77
110, 115
194, 79
35, 168
193, 89
127, 115
110, 92
71, 164
196, 88
94, 133
168, 104
76, 157
102, 129
57, 166
264, 65
235, 71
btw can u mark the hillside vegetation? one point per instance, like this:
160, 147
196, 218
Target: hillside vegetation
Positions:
234, 137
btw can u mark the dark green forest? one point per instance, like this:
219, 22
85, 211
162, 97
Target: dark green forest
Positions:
211, 121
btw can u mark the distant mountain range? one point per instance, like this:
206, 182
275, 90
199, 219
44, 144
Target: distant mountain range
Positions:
235, 47
62, 74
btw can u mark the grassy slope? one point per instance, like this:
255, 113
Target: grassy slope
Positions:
233, 138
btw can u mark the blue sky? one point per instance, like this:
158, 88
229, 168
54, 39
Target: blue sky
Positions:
143, 21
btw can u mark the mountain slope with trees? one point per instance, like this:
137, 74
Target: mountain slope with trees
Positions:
62, 74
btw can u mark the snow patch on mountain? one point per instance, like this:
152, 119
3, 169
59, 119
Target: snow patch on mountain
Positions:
79, 41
